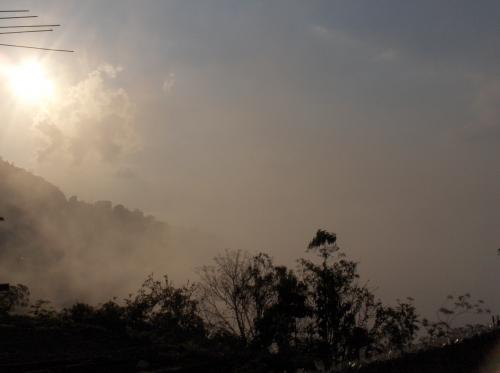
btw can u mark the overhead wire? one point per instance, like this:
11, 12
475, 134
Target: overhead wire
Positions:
26, 31
15, 17
39, 48
25, 26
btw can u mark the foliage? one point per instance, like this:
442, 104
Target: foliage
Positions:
445, 329
42, 309
225, 293
341, 308
322, 309
170, 312
262, 315
13, 298
396, 327
279, 323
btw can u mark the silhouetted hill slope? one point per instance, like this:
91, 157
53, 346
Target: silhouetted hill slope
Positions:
66, 249
473, 354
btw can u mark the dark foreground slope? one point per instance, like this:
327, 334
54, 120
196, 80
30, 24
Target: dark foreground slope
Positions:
478, 354
33, 346
28, 346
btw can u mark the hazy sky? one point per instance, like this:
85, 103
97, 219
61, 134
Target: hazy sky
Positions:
258, 122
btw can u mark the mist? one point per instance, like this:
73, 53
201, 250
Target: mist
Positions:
68, 250
251, 126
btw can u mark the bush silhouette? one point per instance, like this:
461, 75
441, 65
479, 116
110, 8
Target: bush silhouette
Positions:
248, 312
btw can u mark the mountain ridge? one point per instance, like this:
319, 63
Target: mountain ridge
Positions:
50, 242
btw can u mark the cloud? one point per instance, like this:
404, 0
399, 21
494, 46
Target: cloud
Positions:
169, 83
386, 55
320, 31
484, 125
487, 104
125, 173
339, 38
332, 35
91, 119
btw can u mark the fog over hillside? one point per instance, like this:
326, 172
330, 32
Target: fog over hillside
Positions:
65, 249
259, 123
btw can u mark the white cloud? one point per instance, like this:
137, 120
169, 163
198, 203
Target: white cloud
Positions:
169, 83
89, 120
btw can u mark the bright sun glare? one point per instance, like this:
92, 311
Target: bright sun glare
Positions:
30, 83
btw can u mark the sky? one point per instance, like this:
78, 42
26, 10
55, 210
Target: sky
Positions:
255, 123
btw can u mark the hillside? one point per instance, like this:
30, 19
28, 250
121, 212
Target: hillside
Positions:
70, 251
66, 249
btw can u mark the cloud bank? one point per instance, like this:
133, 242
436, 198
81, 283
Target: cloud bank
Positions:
92, 119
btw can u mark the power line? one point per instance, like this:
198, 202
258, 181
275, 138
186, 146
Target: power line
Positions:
15, 17
46, 28
24, 32
29, 47
20, 26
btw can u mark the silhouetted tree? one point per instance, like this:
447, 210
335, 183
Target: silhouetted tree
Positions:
286, 306
341, 308
226, 295
15, 296
253, 299
169, 312
111, 316
80, 313
445, 329
395, 327
43, 310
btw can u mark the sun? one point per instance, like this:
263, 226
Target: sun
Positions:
30, 83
